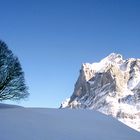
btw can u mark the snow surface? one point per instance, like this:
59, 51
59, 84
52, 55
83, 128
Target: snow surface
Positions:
61, 124
65, 103
4, 106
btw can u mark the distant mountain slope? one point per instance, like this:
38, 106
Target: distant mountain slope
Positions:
61, 124
111, 86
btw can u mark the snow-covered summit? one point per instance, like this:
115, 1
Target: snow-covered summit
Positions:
113, 58
111, 86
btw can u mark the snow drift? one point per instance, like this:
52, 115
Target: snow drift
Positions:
61, 124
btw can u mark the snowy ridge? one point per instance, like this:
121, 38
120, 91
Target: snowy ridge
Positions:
112, 87
61, 124
6, 106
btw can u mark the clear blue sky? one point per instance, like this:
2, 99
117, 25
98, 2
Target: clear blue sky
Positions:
53, 38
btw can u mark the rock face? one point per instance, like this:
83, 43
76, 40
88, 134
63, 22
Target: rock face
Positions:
111, 86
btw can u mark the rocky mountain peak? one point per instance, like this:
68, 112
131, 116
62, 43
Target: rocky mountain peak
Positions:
113, 58
111, 86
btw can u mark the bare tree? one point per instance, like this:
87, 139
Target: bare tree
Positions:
12, 82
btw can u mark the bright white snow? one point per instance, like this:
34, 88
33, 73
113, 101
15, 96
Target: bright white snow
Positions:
61, 124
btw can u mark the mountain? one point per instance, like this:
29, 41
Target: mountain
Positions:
111, 86
61, 124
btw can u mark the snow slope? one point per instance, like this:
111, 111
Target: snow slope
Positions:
61, 124
4, 106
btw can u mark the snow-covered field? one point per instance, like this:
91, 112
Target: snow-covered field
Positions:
17, 123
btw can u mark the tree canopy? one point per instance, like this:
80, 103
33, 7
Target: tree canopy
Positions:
12, 82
